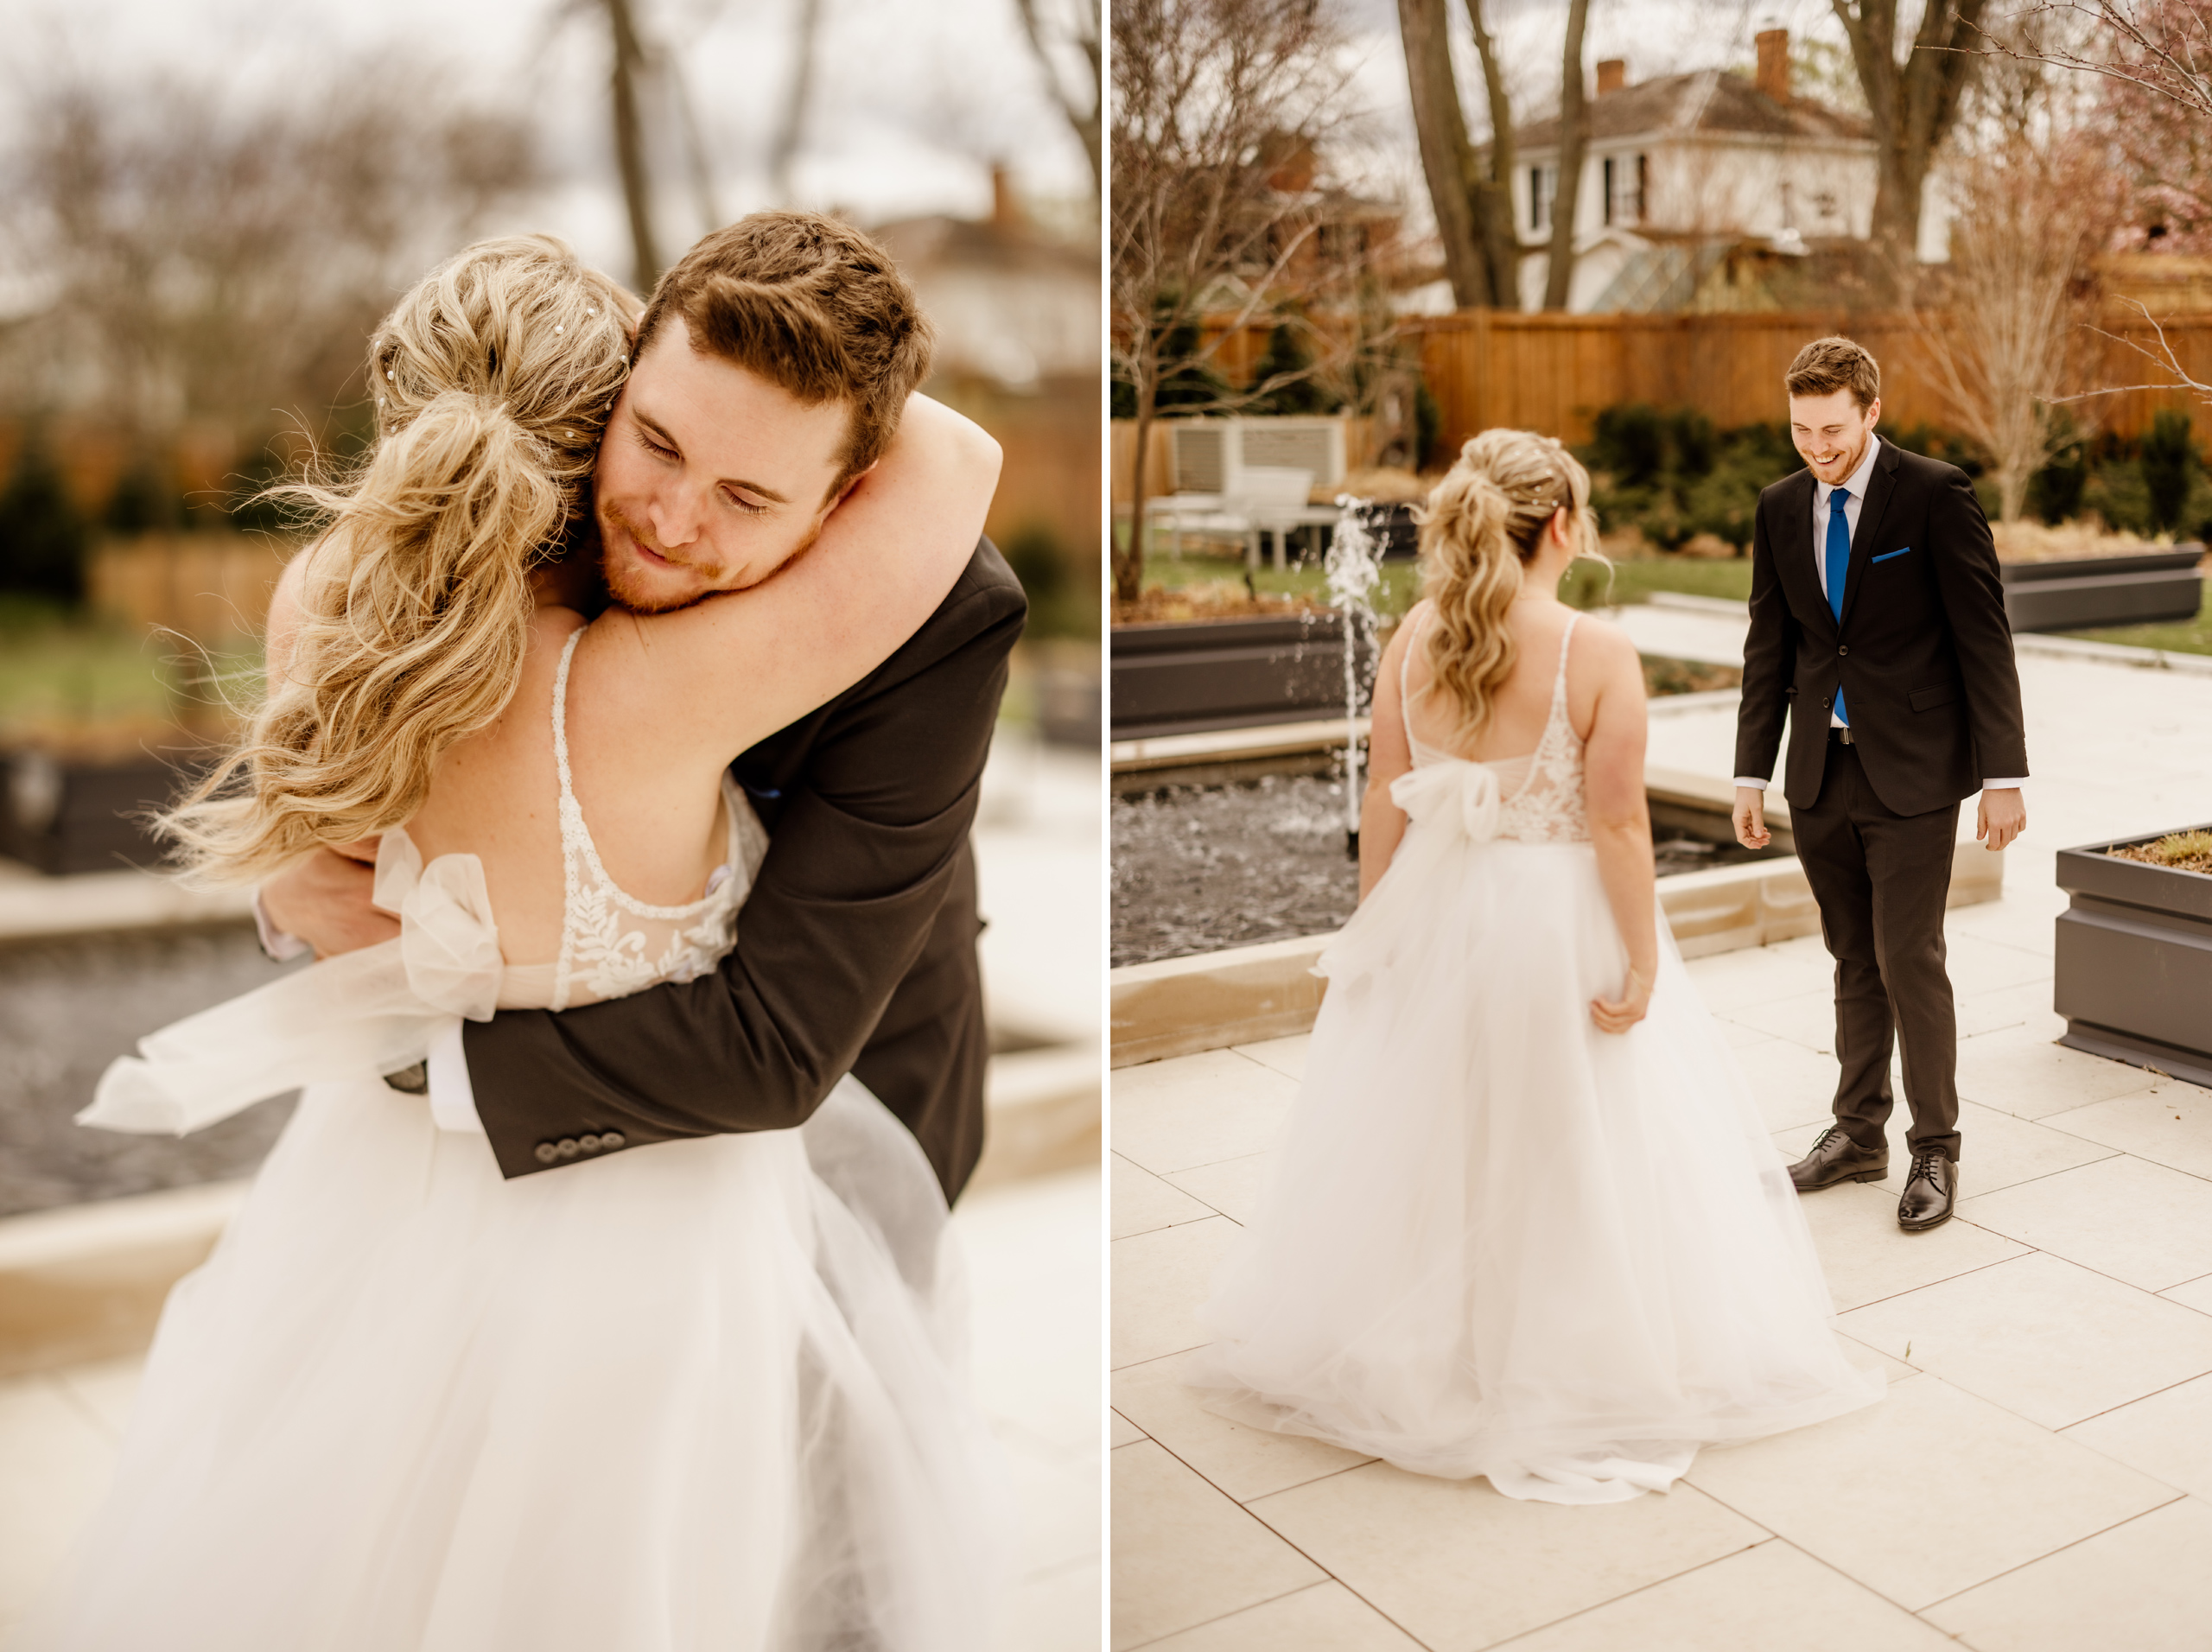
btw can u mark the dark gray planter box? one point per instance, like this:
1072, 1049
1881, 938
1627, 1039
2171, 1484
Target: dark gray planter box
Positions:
2133, 966
64, 815
1190, 679
2091, 591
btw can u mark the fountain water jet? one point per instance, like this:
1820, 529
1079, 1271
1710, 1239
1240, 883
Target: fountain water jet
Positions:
1354, 568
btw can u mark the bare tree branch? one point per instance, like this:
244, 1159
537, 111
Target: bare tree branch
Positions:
1083, 113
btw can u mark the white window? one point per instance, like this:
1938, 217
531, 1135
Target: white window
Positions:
1624, 180
1543, 186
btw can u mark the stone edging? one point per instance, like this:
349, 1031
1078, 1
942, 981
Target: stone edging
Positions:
1240, 996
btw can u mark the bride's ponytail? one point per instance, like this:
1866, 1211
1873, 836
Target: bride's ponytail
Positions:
1478, 530
493, 379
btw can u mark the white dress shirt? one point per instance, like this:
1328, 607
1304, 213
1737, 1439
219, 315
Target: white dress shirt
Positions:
1854, 487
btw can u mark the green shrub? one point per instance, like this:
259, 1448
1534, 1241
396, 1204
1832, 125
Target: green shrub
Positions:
43, 538
2169, 464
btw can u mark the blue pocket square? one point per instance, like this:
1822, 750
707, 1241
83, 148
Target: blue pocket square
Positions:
1887, 556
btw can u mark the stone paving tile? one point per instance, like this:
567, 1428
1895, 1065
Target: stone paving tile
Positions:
1978, 964
58, 1461
1764, 1598
1792, 1084
2197, 1293
1185, 1554
2043, 1338
1142, 1202
1232, 1187
2167, 1435
1458, 1567
2169, 1123
1996, 1150
1867, 1256
2140, 1223
1159, 1280
2032, 1079
1327, 1617
1243, 1461
1170, 1116
1759, 975
1738, 1036
1287, 1056
1928, 1493
1121, 1431
2144, 1586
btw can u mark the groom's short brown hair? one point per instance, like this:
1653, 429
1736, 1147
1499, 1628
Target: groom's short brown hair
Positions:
809, 304
1834, 364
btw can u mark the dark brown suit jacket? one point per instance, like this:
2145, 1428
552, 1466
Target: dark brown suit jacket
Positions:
1923, 651
855, 950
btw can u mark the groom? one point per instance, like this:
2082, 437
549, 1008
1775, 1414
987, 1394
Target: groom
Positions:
1878, 628
857, 948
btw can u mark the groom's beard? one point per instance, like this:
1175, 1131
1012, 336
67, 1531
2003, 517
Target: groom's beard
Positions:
645, 589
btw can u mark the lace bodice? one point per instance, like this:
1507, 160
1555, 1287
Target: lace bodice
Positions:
1541, 795
612, 944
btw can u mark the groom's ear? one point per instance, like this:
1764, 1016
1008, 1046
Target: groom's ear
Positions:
845, 493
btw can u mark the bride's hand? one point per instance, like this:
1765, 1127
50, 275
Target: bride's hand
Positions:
324, 898
1617, 1015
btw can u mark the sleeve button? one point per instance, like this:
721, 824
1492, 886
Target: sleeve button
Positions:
566, 1147
611, 1141
546, 1152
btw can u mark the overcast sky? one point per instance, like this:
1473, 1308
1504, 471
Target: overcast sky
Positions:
913, 98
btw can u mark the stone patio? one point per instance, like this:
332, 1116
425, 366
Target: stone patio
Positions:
2039, 1478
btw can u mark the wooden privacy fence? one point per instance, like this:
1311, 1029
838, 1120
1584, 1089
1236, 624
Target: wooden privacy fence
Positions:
212, 588
1554, 373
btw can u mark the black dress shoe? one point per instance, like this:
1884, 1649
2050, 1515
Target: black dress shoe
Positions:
1836, 1158
1929, 1193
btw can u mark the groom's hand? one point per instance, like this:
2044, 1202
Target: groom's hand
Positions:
324, 898
2002, 816
1751, 818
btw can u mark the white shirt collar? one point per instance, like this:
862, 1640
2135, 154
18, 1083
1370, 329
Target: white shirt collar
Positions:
1855, 484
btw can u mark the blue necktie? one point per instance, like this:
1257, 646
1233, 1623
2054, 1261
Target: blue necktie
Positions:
1838, 565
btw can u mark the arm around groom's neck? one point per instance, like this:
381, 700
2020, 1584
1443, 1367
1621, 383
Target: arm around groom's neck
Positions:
855, 950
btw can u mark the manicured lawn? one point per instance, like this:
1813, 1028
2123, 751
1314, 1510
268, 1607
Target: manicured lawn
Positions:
2185, 637
58, 672
1586, 585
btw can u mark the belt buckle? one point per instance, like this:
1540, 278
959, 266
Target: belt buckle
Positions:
1841, 736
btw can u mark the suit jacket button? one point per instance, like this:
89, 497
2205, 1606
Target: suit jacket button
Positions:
587, 1143
567, 1148
611, 1141
546, 1153
1843, 650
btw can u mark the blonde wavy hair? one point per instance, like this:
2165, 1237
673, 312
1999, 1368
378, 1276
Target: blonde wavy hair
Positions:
1479, 529
493, 381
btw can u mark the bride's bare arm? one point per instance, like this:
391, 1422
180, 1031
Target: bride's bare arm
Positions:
1381, 822
713, 679
1620, 821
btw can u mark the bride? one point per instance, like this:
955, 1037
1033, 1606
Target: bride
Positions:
701, 1394
1524, 1220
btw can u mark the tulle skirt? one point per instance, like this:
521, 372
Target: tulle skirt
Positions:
699, 1394
1498, 1241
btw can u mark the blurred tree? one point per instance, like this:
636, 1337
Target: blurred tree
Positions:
1573, 138
1219, 109
1469, 190
1287, 364
628, 68
1914, 104
2032, 208
212, 264
43, 537
1079, 95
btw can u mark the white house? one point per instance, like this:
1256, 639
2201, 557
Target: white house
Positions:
1679, 171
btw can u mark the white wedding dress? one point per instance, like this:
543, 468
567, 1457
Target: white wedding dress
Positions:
696, 1394
1495, 1240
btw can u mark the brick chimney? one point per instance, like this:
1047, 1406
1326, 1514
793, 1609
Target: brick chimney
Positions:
1773, 63
1613, 75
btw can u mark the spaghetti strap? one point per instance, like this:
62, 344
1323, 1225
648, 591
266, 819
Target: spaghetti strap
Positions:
1559, 684
1405, 700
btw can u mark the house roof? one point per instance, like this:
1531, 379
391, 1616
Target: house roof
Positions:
1714, 101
